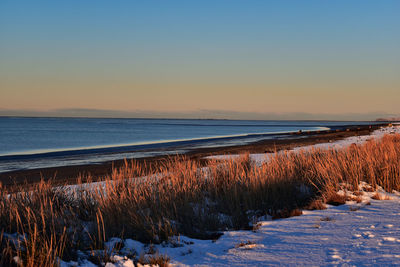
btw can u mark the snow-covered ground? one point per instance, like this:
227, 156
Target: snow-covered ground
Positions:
354, 234
259, 158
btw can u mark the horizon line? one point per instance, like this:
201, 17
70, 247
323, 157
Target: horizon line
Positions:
198, 115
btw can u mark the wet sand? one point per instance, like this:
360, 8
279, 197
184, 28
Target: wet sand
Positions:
69, 174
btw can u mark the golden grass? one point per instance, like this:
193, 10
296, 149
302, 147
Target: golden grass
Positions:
51, 223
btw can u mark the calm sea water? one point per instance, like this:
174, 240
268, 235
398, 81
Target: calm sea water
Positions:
38, 136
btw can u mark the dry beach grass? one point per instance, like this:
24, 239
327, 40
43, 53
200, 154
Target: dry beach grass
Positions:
46, 224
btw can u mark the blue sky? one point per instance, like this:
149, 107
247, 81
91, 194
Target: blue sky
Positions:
183, 56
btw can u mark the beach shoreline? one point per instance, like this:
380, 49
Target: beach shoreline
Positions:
98, 171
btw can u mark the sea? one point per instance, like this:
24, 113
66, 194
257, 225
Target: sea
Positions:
31, 142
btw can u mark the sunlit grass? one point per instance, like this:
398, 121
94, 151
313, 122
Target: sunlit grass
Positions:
180, 196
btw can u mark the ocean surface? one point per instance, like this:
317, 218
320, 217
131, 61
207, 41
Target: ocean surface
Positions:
27, 143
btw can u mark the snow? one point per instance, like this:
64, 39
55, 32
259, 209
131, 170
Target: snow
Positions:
354, 234
260, 158
377, 134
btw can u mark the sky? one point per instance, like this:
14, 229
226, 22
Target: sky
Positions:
244, 59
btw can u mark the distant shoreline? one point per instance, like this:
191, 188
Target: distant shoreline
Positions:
97, 171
